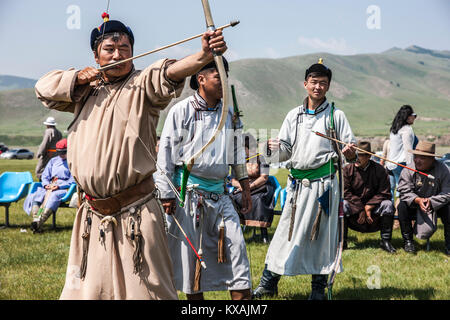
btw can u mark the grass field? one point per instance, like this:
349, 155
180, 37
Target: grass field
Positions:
33, 266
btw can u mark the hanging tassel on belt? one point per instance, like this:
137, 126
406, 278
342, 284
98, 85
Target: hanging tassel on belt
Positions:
86, 236
136, 236
198, 266
79, 196
294, 208
316, 225
221, 243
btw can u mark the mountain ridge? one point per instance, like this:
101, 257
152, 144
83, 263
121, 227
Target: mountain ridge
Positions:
369, 88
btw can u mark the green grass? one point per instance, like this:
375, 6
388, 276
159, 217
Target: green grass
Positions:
34, 266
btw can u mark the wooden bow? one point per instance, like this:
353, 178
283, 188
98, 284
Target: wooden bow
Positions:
187, 166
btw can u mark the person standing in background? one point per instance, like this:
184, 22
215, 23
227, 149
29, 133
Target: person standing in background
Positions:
47, 149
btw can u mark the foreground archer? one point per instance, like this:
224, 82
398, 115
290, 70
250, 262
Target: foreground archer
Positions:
208, 214
119, 247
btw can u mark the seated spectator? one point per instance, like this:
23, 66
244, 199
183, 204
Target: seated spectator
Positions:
423, 199
367, 198
262, 192
56, 179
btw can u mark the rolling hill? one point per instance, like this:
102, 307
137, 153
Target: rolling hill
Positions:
370, 88
13, 82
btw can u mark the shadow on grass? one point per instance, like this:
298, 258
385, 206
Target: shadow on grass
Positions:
253, 235
366, 243
387, 293
435, 245
27, 227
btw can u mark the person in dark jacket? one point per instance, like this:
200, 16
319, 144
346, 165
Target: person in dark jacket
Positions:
367, 198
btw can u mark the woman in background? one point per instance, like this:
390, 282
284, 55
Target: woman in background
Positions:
402, 139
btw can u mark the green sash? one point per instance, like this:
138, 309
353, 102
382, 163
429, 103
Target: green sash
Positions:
313, 174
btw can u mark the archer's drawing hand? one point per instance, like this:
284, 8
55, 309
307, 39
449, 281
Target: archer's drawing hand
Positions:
87, 75
213, 41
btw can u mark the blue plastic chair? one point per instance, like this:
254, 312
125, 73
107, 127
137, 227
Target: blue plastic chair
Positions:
273, 181
13, 187
69, 194
64, 201
283, 195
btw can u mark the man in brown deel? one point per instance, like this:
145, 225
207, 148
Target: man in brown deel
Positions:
367, 198
47, 148
119, 246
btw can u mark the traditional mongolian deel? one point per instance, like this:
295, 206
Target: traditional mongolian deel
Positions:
47, 147
437, 190
123, 255
312, 174
366, 186
189, 125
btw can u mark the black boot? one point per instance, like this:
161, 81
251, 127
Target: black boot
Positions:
318, 285
264, 235
386, 233
407, 234
268, 285
36, 218
445, 217
447, 239
345, 244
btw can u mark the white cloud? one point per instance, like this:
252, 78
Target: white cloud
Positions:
332, 45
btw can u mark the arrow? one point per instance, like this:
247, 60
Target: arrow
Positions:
109, 66
375, 155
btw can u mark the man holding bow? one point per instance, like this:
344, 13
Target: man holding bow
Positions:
119, 246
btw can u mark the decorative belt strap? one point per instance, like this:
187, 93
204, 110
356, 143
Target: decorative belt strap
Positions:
134, 222
209, 195
115, 203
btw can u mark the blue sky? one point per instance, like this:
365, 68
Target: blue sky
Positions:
35, 37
